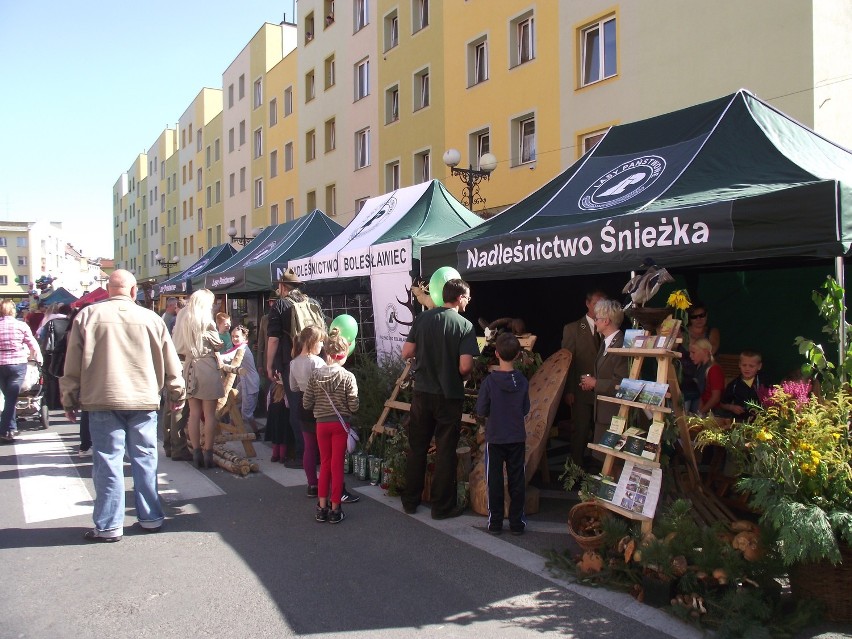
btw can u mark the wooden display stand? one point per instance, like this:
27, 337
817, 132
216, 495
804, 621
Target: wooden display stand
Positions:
665, 375
230, 405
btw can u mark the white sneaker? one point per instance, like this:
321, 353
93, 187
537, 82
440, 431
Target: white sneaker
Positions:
84, 453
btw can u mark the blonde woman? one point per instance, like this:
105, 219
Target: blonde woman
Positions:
197, 341
16, 344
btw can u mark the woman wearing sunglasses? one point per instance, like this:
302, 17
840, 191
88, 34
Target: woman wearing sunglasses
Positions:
697, 328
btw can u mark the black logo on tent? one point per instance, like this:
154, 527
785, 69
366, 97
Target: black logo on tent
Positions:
373, 221
623, 183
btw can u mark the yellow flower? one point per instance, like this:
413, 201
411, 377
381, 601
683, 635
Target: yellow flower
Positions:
836, 436
679, 299
764, 435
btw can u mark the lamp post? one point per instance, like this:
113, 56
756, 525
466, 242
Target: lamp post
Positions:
241, 240
166, 262
102, 280
470, 176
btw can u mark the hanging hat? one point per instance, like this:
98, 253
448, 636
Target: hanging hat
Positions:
289, 277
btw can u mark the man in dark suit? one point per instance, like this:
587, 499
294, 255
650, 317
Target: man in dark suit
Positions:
582, 340
610, 368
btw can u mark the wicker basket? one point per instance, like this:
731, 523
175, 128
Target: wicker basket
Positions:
575, 519
827, 584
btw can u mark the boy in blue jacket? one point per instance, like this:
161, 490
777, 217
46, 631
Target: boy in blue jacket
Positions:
504, 399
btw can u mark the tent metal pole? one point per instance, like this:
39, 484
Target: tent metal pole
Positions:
839, 274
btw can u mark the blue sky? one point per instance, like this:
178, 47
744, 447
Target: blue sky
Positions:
88, 86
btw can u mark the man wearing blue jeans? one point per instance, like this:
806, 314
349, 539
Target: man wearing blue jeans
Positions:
119, 358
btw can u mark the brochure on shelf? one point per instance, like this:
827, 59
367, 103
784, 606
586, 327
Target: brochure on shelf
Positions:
652, 440
653, 393
630, 336
629, 389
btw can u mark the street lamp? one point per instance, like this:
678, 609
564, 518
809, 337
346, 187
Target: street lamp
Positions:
102, 280
166, 262
242, 240
470, 176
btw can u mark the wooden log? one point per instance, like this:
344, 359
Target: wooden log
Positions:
230, 466
221, 438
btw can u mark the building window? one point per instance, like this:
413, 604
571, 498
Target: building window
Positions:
273, 214
198, 180
230, 140
208, 156
200, 219
310, 86
392, 176
273, 112
4, 260
21, 242
258, 143
329, 13
359, 203
288, 156
362, 79
242, 87
477, 70
329, 73
330, 135
598, 50
589, 141
24, 280
22, 260
258, 193
420, 14
3, 241
392, 104
4, 280
311, 201
422, 167
310, 27
198, 141
522, 32
289, 210
258, 93
216, 146
480, 144
242, 132
421, 89
362, 148
230, 95
331, 200
288, 101
523, 140
362, 14
209, 196
242, 179
310, 145
218, 193
273, 164
232, 179
391, 30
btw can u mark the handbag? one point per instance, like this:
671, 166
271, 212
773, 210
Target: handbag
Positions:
352, 438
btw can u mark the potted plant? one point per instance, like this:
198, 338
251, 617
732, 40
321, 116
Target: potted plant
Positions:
795, 461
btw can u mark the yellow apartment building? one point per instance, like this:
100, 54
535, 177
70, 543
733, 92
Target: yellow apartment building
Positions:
210, 221
282, 185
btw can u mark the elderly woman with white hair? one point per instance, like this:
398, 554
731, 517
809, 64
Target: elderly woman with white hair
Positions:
610, 368
197, 341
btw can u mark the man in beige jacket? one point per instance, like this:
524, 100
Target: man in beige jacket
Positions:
119, 358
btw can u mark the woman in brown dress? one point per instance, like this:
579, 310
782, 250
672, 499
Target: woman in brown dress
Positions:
197, 341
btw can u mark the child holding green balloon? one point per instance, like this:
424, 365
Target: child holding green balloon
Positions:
332, 394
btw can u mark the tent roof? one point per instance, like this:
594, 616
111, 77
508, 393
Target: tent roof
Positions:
252, 269
91, 297
181, 284
424, 213
59, 296
730, 179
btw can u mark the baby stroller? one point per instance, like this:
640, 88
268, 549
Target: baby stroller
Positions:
31, 405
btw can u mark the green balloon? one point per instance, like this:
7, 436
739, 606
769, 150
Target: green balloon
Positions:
436, 283
348, 328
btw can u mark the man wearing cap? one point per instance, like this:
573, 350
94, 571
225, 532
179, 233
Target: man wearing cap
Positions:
279, 348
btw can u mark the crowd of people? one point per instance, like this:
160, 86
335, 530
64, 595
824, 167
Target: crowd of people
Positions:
191, 349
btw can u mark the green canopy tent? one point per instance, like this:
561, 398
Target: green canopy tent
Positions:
728, 183
181, 284
729, 180
249, 271
383, 243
